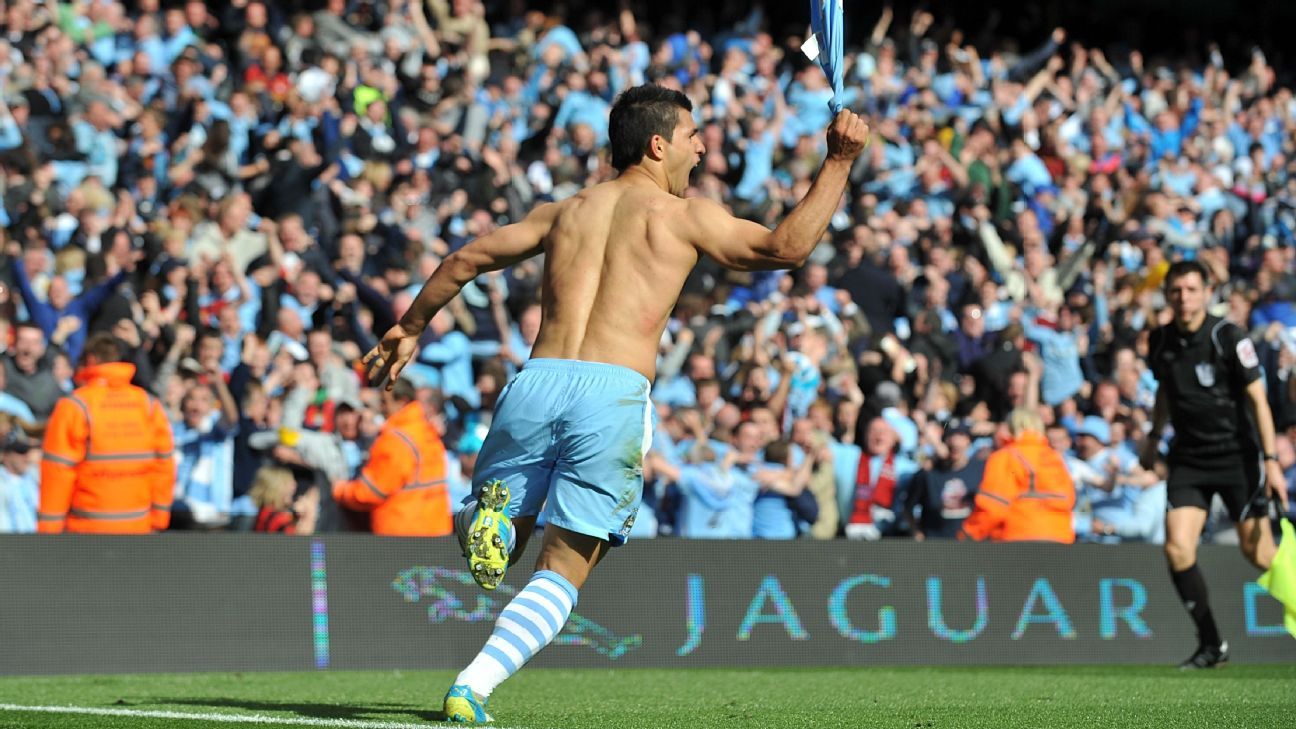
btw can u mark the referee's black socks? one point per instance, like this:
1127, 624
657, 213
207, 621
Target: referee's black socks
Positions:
1191, 587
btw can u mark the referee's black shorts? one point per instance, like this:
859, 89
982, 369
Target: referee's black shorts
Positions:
1237, 478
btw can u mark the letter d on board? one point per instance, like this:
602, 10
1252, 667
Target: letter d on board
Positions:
1251, 591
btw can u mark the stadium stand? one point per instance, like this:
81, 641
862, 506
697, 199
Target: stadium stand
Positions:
247, 194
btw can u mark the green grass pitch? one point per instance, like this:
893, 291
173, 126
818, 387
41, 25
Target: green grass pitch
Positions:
1121, 697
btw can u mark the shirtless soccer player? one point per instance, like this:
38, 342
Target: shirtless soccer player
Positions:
570, 431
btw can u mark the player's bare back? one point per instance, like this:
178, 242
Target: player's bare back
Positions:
614, 266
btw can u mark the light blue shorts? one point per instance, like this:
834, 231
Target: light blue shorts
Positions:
569, 437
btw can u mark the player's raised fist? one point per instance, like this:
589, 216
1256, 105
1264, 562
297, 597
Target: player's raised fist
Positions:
847, 136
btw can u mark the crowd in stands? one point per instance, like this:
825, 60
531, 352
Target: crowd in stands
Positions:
247, 194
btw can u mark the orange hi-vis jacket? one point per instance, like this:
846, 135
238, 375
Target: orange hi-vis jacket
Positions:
1026, 495
107, 465
404, 482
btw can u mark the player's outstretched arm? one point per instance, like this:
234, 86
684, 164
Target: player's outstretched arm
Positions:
747, 246
502, 248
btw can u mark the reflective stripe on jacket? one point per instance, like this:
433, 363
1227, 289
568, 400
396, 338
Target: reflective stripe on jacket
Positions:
1026, 495
404, 482
107, 466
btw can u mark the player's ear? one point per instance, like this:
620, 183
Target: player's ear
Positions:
657, 145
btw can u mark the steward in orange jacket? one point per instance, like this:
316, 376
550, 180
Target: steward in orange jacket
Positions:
404, 482
1026, 494
107, 466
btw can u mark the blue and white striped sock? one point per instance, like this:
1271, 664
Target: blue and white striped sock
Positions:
524, 627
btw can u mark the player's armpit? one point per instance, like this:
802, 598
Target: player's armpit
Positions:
733, 242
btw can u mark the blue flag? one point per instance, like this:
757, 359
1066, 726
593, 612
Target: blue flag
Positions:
826, 22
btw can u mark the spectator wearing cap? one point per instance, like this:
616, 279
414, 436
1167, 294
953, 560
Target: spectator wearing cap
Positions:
19, 486
940, 498
347, 424
872, 482
1116, 499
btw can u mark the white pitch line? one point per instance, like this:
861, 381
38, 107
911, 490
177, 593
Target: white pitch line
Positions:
227, 718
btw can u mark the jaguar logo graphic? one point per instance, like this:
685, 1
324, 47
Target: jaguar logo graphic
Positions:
452, 595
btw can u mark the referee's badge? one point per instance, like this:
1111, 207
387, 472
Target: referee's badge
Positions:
1247, 354
1206, 374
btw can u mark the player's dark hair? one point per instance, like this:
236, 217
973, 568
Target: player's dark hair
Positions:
1179, 269
638, 114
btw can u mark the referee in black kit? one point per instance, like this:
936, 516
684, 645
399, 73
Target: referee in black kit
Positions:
1213, 393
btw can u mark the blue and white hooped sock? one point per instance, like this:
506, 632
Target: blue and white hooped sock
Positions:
524, 627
